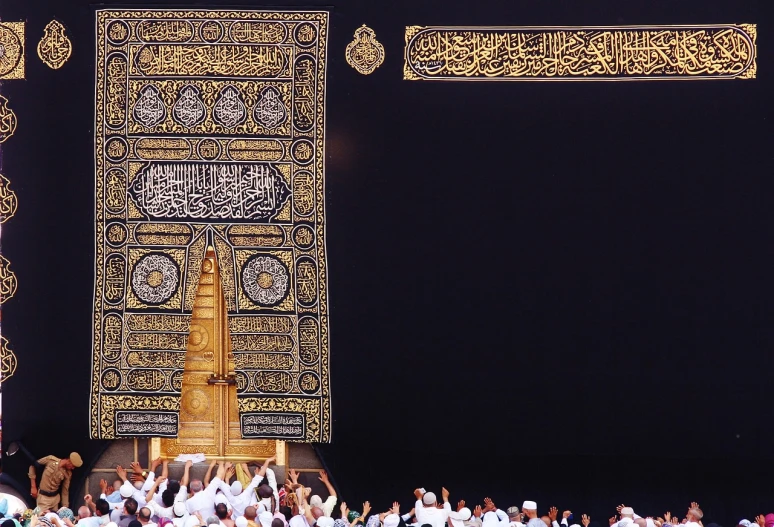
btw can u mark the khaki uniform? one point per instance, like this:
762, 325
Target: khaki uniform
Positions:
52, 479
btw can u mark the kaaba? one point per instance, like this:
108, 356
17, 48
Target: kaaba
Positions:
515, 250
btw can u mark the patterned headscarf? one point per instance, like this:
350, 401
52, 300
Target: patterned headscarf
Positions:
64, 512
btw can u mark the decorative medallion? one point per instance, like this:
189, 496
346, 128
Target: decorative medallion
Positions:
155, 278
189, 109
12, 50
365, 53
270, 110
8, 201
229, 110
7, 120
54, 49
149, 110
7, 280
7, 360
265, 280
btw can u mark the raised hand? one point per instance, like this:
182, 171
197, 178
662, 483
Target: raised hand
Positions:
612, 521
323, 477
159, 481
188, 464
444, 494
136, 468
121, 471
103, 486
489, 505
293, 476
566, 514
366, 508
230, 471
477, 512
136, 477
760, 520
87, 498
418, 494
618, 509
395, 508
668, 517
695, 505
155, 464
585, 520
552, 512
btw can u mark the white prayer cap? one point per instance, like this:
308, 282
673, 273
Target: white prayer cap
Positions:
316, 501
575, 525
112, 524
220, 498
236, 488
298, 521
265, 518
649, 522
429, 498
458, 519
241, 521
530, 505
326, 521
391, 520
746, 523
127, 489
627, 511
490, 519
179, 508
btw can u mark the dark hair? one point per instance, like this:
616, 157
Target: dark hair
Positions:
174, 486
168, 498
130, 504
264, 491
250, 512
221, 511
276, 522
135, 523
8, 523
103, 507
286, 511
145, 516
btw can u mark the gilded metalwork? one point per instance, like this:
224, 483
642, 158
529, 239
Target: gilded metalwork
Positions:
8, 283
365, 53
11, 50
209, 163
7, 360
581, 53
54, 49
7, 120
8, 200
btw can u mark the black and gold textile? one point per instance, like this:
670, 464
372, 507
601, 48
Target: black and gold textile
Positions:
210, 131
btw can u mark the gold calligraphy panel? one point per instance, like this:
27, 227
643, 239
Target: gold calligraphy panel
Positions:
210, 133
12, 50
54, 49
580, 53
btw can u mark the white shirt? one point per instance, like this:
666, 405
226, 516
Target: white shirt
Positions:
167, 512
204, 502
187, 520
433, 516
149, 485
94, 521
328, 505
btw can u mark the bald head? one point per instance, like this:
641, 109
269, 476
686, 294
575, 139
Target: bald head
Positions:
641, 522
317, 512
84, 512
546, 520
250, 512
196, 486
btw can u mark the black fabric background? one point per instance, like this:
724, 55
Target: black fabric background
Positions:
551, 291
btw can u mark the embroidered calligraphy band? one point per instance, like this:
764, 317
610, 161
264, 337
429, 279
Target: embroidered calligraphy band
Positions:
11, 50
210, 133
580, 53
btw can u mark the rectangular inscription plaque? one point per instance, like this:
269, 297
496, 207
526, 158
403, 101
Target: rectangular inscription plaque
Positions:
209, 131
722, 51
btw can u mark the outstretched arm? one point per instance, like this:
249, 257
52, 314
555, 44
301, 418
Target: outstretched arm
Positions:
208, 475
186, 474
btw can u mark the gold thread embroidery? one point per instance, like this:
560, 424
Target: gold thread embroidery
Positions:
12, 50
8, 282
8, 360
580, 53
7, 120
8, 200
365, 53
54, 48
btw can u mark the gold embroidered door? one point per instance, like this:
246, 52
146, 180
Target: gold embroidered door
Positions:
209, 412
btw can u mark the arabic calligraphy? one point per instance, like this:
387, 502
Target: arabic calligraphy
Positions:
521, 53
8, 360
54, 49
210, 191
12, 50
8, 200
7, 120
8, 282
365, 53
208, 124
247, 60
162, 424
281, 426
